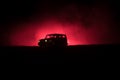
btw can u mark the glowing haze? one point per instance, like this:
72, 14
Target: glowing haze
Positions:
30, 35
84, 27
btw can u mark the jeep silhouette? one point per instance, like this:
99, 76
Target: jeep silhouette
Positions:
53, 40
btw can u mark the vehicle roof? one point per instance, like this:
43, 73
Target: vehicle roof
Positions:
56, 34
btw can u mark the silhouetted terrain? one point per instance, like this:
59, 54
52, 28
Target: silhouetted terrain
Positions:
71, 54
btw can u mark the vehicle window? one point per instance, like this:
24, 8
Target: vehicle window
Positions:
63, 36
47, 37
55, 36
60, 36
51, 36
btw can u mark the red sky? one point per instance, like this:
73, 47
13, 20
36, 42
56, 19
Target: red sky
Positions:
83, 25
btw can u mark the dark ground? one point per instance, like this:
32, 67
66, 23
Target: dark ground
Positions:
71, 54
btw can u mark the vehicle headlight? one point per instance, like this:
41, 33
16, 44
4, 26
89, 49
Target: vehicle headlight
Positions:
45, 40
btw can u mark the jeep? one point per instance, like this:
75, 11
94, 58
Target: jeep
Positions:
53, 40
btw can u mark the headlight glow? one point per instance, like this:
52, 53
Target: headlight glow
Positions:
45, 40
